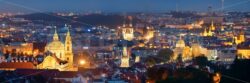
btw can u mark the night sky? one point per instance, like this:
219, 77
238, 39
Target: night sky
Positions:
119, 5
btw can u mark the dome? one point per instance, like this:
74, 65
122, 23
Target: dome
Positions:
55, 45
180, 43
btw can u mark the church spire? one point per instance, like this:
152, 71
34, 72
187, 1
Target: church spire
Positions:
55, 37
68, 48
68, 42
212, 26
68, 33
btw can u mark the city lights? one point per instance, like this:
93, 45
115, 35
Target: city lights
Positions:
124, 41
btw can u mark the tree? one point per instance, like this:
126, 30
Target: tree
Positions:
150, 61
202, 60
179, 58
165, 54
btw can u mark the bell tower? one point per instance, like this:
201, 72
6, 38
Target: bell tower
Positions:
212, 26
68, 48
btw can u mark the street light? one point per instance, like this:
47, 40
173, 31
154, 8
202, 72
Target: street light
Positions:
82, 62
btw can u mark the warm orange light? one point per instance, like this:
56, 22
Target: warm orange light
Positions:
216, 78
82, 62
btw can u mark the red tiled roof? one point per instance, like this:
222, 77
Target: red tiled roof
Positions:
17, 65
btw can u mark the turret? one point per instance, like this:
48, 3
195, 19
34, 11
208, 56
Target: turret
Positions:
55, 36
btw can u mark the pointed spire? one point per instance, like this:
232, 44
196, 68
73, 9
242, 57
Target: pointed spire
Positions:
55, 37
212, 26
68, 33
205, 32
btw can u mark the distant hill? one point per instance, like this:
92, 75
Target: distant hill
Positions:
92, 19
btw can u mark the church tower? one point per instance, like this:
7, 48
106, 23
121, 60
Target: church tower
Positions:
128, 32
204, 32
55, 36
212, 26
125, 58
68, 48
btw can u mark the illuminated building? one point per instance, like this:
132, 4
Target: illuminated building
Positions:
137, 59
188, 52
61, 53
128, 32
19, 47
243, 52
212, 26
222, 28
182, 49
180, 44
207, 32
125, 58
149, 33
198, 50
240, 38
226, 55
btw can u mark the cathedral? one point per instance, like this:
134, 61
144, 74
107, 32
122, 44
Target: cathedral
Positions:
61, 55
209, 31
128, 32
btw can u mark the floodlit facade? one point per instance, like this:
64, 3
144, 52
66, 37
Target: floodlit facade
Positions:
209, 31
128, 32
61, 56
188, 52
125, 58
240, 38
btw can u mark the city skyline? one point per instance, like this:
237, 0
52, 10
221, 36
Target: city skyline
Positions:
32, 6
124, 41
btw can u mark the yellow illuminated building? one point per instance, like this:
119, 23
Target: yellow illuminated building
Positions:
128, 32
209, 31
240, 38
181, 48
137, 59
212, 26
61, 57
125, 58
243, 53
149, 34
188, 52
25, 48
222, 28
197, 50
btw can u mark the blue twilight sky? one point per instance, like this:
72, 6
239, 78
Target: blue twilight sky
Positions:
119, 5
